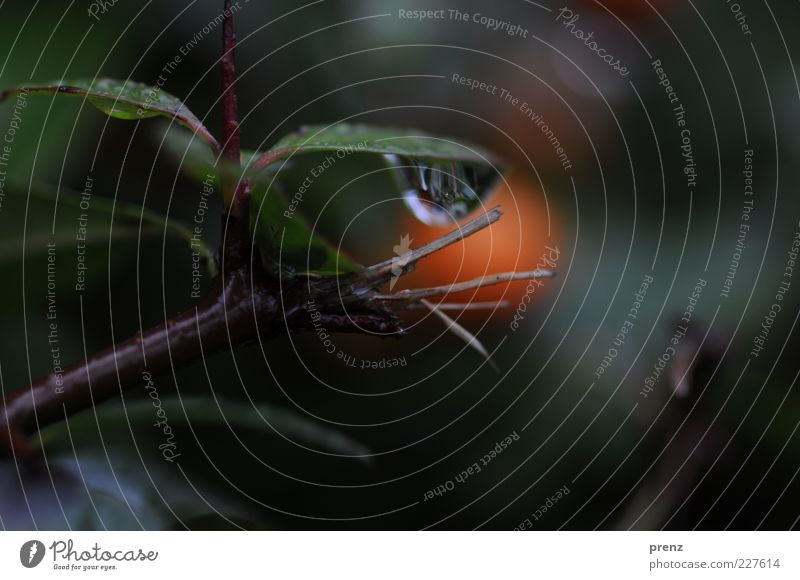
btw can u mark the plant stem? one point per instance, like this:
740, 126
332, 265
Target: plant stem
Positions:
409, 260
239, 308
489, 280
237, 192
230, 112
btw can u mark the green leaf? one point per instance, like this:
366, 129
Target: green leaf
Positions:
286, 243
122, 100
200, 412
441, 180
345, 139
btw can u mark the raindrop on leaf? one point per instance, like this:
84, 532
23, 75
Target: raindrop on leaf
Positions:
440, 193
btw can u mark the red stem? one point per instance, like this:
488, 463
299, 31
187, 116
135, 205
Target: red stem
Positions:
238, 193
230, 112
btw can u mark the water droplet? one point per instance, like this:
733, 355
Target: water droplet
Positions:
440, 193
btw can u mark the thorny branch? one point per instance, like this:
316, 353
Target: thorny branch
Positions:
244, 303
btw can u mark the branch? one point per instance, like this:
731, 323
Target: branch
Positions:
491, 280
241, 307
242, 304
385, 268
463, 306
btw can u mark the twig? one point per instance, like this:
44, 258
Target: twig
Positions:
384, 325
420, 293
242, 304
233, 313
461, 332
464, 305
236, 192
468, 229
353, 288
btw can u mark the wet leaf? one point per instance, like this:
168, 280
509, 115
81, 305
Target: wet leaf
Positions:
122, 100
344, 139
441, 180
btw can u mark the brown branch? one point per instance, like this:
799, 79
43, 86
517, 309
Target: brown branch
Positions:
462, 306
484, 220
359, 323
490, 280
244, 304
239, 308
348, 290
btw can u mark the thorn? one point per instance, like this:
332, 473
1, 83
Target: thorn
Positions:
462, 333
